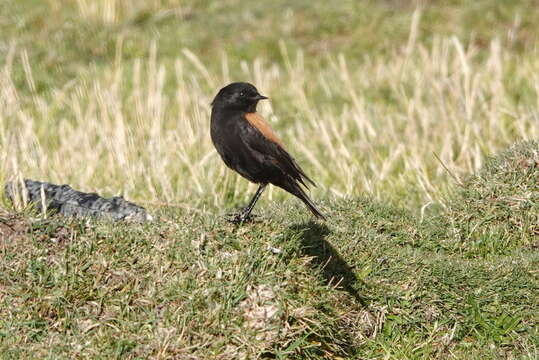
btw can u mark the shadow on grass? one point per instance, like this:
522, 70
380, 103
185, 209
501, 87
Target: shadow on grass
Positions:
333, 267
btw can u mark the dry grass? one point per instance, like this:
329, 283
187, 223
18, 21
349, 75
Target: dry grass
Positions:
141, 128
115, 11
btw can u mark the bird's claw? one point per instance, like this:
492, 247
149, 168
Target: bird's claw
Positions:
241, 218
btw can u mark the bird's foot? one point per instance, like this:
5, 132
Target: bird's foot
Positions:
241, 218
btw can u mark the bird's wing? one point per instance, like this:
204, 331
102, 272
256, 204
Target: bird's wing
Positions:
259, 123
259, 136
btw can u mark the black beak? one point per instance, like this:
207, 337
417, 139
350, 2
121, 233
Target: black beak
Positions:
260, 97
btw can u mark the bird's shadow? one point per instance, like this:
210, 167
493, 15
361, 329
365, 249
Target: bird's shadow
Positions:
333, 268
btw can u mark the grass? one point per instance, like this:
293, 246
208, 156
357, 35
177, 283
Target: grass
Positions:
137, 117
497, 209
393, 107
372, 281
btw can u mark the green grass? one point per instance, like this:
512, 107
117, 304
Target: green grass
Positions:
387, 87
498, 209
405, 114
372, 282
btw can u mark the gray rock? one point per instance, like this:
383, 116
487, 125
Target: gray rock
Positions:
64, 200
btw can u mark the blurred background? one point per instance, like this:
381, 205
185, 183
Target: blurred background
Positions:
394, 99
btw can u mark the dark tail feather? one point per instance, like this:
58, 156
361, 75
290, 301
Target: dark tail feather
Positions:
313, 208
296, 190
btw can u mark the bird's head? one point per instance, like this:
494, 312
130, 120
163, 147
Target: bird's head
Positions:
239, 96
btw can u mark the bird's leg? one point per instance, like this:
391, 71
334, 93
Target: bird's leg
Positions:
246, 212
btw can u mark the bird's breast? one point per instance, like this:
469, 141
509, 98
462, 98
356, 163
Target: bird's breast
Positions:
224, 131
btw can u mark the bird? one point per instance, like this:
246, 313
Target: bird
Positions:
248, 145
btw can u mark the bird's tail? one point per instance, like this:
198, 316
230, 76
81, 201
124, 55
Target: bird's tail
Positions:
296, 190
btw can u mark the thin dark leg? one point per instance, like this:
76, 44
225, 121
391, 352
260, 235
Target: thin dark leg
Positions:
245, 213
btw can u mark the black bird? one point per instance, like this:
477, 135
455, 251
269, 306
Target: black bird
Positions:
248, 145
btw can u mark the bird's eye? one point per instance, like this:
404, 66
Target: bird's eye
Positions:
242, 94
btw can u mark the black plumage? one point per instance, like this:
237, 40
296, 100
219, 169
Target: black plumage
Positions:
248, 145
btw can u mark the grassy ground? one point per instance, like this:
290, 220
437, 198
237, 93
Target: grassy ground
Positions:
391, 106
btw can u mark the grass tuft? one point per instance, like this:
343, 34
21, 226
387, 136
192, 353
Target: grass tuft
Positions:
497, 209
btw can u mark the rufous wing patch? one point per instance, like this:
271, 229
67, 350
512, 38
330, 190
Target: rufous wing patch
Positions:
265, 129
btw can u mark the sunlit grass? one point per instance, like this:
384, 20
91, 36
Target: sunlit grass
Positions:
396, 127
115, 11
